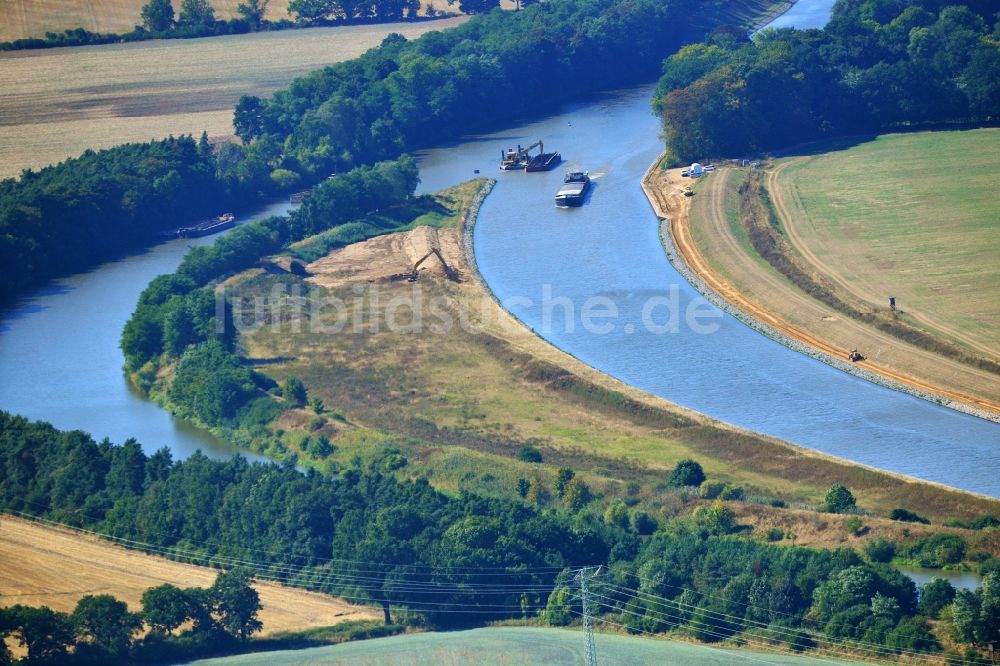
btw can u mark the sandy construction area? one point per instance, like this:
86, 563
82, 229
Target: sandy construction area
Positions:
718, 257
385, 257
52, 566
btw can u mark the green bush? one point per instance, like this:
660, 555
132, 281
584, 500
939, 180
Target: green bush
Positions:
529, 454
907, 516
258, 412
839, 500
879, 549
732, 493
686, 473
711, 489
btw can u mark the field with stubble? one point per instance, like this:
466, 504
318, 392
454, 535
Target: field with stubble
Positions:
59, 102
34, 18
43, 565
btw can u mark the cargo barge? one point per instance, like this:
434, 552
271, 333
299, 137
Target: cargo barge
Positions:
543, 162
208, 227
574, 189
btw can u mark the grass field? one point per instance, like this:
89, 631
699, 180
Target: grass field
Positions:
514, 646
54, 567
59, 102
908, 215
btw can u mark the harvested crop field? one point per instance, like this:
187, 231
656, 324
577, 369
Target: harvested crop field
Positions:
908, 215
34, 18
59, 102
52, 566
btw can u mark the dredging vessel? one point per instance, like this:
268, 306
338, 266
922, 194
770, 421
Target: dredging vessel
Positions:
521, 158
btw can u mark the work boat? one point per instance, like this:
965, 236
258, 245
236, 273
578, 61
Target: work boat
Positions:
574, 189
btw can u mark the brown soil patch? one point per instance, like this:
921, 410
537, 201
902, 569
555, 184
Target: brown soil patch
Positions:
389, 256
41, 565
768, 297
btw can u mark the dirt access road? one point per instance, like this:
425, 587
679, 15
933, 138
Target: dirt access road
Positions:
748, 284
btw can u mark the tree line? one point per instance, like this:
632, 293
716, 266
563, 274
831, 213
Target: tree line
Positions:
877, 65
178, 318
102, 630
450, 561
399, 96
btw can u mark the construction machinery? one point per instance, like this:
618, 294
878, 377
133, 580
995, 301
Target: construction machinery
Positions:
855, 356
521, 158
414, 274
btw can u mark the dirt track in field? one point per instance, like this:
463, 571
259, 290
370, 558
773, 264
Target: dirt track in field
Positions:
780, 305
54, 566
792, 215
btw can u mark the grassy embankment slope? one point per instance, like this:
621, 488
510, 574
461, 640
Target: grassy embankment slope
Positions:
42, 565
61, 102
514, 645
883, 216
457, 405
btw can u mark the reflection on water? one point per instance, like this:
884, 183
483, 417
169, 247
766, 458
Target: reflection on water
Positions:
960, 580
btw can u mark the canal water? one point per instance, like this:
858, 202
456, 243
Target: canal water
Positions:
60, 362
549, 265
804, 14
960, 580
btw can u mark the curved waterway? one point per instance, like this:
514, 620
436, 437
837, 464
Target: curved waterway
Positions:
60, 361
548, 265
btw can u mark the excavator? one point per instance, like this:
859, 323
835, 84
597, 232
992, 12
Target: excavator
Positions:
414, 274
518, 159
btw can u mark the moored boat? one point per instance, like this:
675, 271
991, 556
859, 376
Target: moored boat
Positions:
208, 227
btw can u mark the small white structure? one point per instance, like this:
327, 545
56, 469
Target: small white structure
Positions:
697, 170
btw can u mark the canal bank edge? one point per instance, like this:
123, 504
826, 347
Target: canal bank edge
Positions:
537, 345
683, 265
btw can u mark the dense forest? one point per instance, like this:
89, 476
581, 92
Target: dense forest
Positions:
442, 561
402, 95
878, 64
